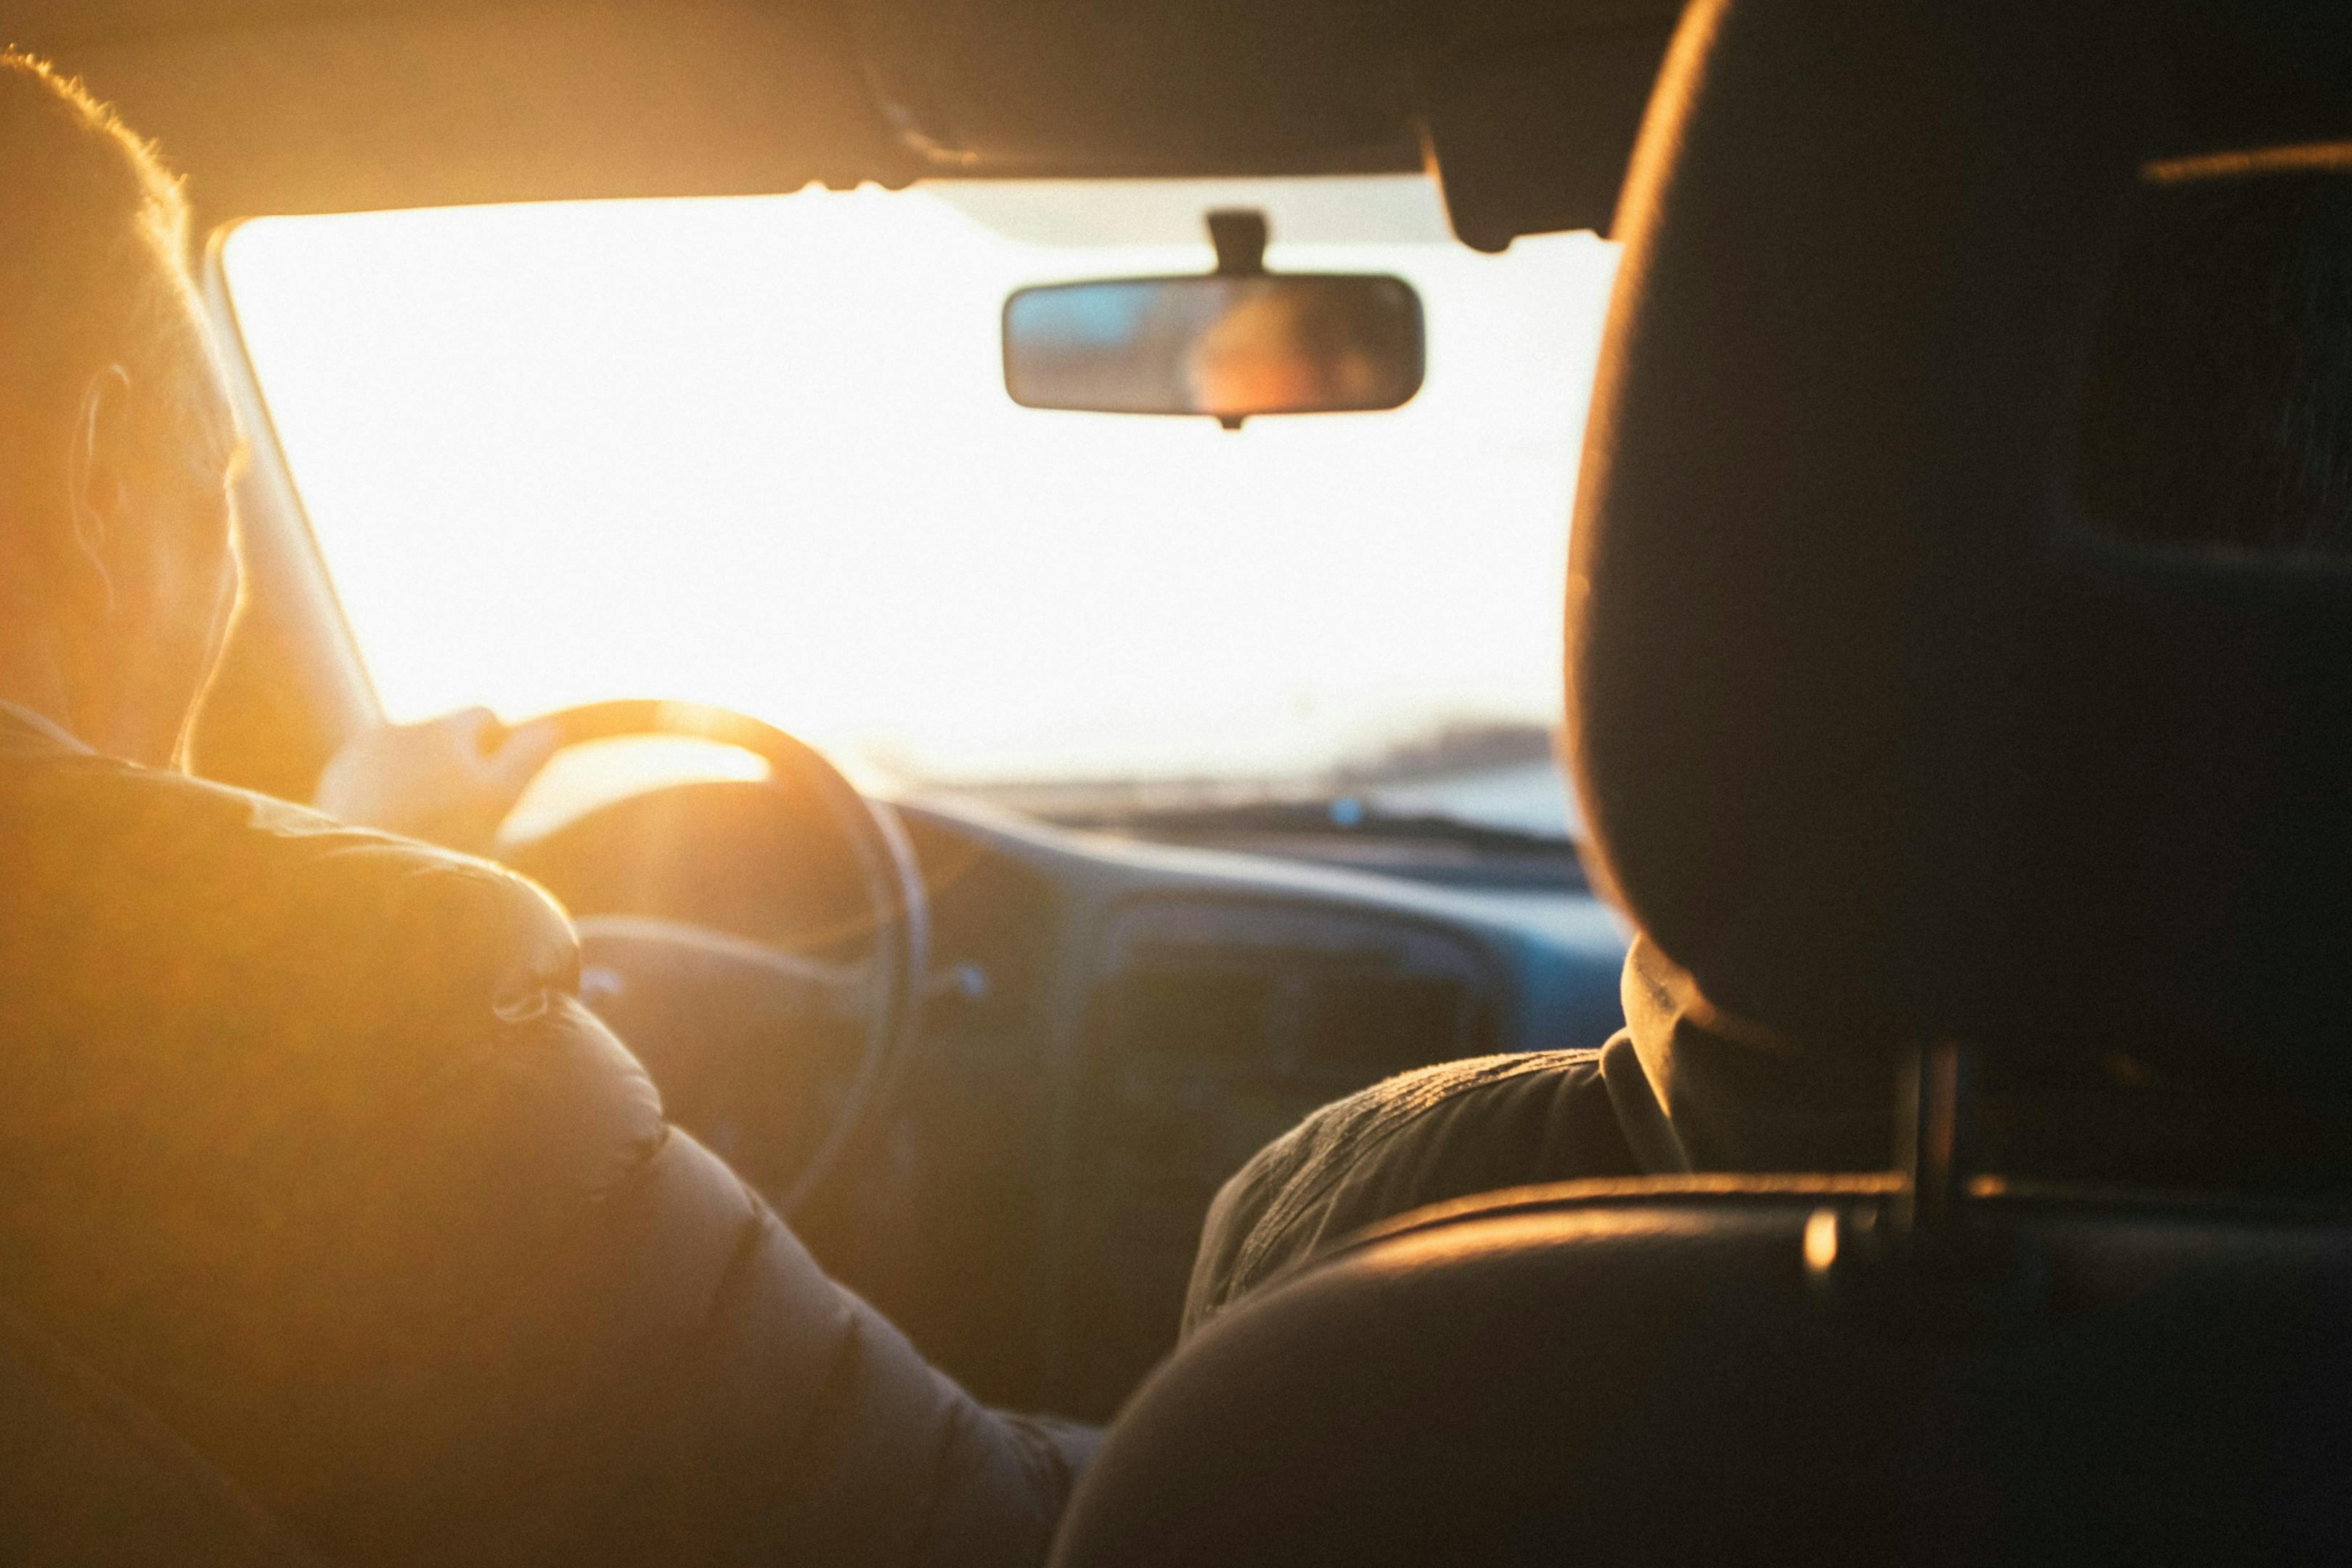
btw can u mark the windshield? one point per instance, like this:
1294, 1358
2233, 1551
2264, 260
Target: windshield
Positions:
758, 452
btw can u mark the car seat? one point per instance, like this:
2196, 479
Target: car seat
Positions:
1883, 739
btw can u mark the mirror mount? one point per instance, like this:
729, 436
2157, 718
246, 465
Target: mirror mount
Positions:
1239, 235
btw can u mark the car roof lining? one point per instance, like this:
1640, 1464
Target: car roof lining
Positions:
292, 106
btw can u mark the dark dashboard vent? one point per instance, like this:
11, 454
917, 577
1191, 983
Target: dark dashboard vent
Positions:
1194, 1010
1213, 1028
1289, 1009
1388, 1023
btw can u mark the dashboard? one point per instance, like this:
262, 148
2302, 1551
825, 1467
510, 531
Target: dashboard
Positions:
1117, 1026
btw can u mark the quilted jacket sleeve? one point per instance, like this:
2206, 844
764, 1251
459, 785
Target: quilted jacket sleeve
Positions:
309, 1143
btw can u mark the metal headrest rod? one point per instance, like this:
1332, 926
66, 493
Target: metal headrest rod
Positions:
1928, 1257
1934, 1136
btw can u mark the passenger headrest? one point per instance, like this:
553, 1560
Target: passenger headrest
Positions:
1940, 664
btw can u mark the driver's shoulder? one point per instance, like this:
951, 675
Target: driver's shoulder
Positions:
159, 868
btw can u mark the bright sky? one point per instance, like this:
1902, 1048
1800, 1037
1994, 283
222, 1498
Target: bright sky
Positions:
758, 452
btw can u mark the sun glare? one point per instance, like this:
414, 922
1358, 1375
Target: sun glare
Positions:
758, 452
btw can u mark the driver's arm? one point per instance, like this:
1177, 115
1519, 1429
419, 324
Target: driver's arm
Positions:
449, 781
314, 1149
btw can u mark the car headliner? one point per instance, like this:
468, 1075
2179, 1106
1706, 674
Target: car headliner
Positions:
338, 105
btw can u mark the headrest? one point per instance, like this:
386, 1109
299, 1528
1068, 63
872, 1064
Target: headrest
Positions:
1879, 731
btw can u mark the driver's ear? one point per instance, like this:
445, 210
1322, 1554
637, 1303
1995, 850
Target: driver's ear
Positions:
98, 485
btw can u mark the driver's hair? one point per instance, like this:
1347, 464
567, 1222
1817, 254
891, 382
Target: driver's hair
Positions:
93, 272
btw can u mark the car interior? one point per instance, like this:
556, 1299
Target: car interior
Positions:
989, 992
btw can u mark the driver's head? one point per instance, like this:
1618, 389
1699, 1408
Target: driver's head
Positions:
116, 437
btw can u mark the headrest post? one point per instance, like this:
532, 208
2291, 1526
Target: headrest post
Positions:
1921, 1261
1935, 1133
1239, 235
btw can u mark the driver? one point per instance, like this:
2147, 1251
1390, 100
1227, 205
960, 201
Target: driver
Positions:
449, 781
308, 1143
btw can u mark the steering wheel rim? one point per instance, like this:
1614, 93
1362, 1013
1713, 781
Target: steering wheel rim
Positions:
897, 903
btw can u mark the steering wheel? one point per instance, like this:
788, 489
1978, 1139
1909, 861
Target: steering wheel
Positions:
881, 994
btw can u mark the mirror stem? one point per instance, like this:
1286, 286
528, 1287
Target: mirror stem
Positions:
1239, 233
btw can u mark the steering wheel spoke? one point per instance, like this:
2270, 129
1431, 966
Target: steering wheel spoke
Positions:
653, 977
614, 948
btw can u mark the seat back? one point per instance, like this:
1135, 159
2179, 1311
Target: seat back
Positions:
1882, 729
1893, 747
1727, 1373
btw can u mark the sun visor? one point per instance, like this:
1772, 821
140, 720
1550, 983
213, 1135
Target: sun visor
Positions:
1200, 88
1531, 135
357, 108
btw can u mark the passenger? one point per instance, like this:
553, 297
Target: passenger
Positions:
2217, 414
305, 1140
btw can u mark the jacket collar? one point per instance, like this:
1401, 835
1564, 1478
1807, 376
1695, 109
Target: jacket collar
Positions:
1735, 1095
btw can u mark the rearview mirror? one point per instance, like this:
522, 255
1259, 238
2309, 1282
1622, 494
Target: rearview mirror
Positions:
1231, 347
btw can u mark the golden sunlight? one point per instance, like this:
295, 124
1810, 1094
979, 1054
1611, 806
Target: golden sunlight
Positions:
758, 453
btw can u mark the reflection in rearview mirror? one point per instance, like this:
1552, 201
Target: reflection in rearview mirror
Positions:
1227, 346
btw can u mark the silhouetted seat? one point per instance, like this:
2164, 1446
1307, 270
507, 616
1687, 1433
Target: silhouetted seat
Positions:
1648, 1375
1883, 742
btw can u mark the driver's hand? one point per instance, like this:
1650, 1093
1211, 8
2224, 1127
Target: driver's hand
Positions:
449, 781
